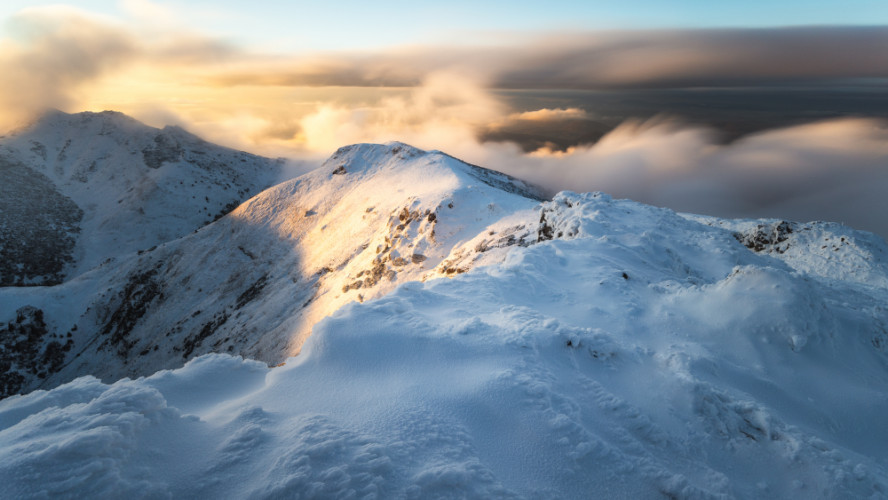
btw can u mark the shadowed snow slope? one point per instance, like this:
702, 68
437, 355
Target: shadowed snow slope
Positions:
80, 189
584, 348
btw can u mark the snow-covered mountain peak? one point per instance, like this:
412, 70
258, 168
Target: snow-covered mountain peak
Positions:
372, 217
394, 157
55, 124
115, 185
371, 154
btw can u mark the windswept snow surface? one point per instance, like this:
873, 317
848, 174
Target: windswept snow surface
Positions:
620, 351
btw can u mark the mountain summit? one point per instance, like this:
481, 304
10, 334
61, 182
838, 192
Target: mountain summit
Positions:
256, 281
457, 337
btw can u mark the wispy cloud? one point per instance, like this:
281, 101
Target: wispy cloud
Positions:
52, 52
445, 110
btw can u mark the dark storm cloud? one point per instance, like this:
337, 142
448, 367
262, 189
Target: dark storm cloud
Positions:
729, 57
638, 59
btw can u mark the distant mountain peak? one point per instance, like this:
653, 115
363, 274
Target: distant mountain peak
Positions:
119, 186
56, 117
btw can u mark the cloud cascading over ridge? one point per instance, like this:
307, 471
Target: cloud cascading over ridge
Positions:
834, 170
51, 55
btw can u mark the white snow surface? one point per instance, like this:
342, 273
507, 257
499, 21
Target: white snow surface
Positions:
638, 353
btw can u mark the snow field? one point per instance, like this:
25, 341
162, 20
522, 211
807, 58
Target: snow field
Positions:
641, 354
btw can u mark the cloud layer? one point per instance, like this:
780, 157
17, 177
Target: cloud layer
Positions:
51, 53
697, 58
636, 59
293, 105
836, 170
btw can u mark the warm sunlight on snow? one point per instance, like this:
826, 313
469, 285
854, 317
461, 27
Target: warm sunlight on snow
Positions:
428, 250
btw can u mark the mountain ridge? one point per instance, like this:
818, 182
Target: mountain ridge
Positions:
118, 185
371, 217
582, 346
398, 323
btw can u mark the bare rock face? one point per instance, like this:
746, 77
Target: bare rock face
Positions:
38, 227
163, 149
28, 350
767, 237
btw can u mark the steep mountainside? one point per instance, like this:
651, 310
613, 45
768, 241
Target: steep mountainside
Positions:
84, 188
256, 281
583, 347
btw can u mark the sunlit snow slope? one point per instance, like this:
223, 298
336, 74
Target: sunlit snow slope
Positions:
583, 347
256, 281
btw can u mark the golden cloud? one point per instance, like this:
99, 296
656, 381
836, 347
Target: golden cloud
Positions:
547, 114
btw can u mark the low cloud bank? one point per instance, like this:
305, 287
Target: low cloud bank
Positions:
836, 170
831, 170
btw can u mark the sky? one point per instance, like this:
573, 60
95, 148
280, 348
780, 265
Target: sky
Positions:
566, 94
303, 25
